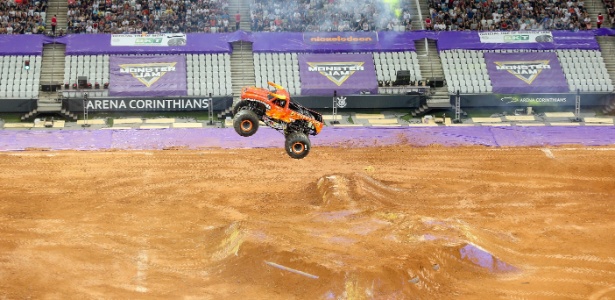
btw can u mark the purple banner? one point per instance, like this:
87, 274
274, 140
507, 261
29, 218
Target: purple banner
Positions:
348, 74
327, 42
342, 38
470, 40
21, 44
530, 72
155, 76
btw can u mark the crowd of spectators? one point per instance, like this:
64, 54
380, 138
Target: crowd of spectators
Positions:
22, 17
508, 15
152, 16
329, 15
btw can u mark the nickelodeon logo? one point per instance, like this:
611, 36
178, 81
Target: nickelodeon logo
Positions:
350, 39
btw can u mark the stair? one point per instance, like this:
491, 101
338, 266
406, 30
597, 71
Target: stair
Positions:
417, 19
52, 70
242, 70
49, 109
243, 6
595, 7
431, 67
60, 9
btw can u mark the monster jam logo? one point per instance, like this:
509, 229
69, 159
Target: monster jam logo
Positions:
527, 71
337, 72
148, 73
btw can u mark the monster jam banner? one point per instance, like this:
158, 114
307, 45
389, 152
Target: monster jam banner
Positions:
348, 74
516, 37
530, 72
156, 40
153, 76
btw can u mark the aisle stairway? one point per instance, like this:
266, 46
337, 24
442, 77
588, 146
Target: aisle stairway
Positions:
52, 70
242, 70
607, 47
60, 9
431, 67
593, 8
243, 6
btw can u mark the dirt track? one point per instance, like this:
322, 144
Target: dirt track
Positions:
383, 223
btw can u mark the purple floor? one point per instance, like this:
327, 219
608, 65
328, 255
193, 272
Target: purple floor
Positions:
14, 140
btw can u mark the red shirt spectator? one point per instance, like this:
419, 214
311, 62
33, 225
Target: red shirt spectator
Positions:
428, 23
54, 21
599, 20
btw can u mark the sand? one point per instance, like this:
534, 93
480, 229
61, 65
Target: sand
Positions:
394, 222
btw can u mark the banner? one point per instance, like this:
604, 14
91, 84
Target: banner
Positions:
156, 40
516, 37
156, 76
348, 38
471, 40
148, 104
529, 72
329, 42
348, 74
533, 100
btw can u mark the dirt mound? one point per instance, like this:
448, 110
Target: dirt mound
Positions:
356, 243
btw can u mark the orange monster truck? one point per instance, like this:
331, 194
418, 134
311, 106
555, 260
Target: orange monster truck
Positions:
277, 111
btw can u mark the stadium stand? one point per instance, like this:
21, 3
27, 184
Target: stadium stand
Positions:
388, 63
282, 68
15, 81
135, 16
94, 67
344, 15
505, 15
215, 68
22, 17
465, 70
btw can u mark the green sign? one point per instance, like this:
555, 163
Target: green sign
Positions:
517, 37
148, 41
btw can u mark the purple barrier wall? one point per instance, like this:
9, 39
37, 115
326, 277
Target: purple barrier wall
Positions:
199, 138
348, 74
470, 40
529, 72
21, 44
155, 76
325, 42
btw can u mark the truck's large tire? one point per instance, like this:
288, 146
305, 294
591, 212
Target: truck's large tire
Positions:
297, 145
246, 123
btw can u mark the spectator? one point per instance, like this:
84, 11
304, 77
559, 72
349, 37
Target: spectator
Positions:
237, 20
54, 23
599, 20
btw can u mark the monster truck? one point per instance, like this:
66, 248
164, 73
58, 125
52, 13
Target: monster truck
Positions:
276, 110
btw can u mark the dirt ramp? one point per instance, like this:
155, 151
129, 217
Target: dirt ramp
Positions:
356, 191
